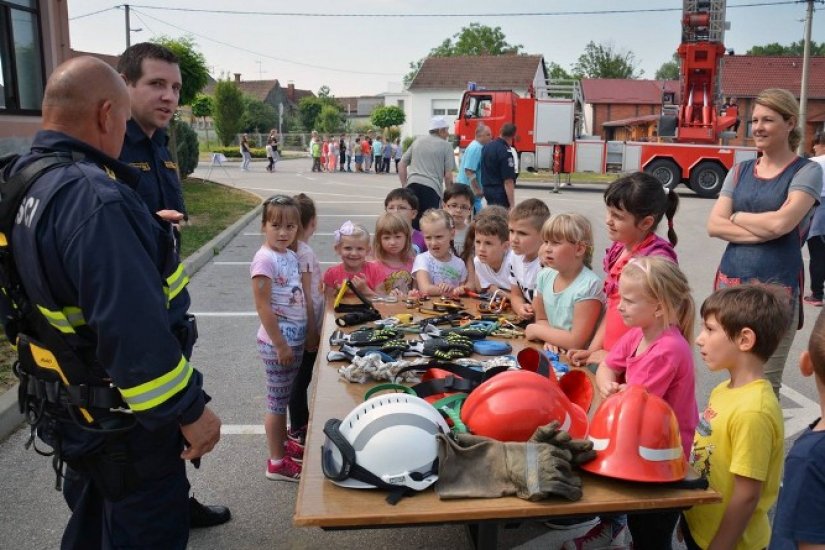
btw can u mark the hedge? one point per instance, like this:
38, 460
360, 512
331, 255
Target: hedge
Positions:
235, 152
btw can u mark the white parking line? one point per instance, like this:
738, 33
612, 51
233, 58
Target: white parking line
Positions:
798, 418
224, 313
247, 263
311, 193
242, 429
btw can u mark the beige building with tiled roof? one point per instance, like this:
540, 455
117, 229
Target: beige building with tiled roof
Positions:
439, 84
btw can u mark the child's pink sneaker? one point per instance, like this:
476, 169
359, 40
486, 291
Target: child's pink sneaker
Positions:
286, 470
294, 451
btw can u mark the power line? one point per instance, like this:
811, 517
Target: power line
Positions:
93, 13
470, 15
282, 60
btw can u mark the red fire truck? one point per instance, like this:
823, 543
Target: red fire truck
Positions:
689, 132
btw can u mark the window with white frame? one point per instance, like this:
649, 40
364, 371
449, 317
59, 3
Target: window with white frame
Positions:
21, 59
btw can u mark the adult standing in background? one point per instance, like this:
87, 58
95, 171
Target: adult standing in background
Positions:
816, 236
498, 168
469, 171
427, 167
246, 154
763, 212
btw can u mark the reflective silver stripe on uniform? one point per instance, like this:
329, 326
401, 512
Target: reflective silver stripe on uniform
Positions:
175, 283
660, 455
65, 320
156, 392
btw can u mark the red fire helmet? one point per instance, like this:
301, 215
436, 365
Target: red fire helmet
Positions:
636, 438
577, 385
512, 404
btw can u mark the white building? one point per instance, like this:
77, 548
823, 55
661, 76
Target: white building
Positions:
439, 84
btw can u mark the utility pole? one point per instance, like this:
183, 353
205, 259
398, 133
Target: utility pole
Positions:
128, 28
803, 92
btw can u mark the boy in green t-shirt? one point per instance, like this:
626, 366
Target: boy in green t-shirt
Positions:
739, 441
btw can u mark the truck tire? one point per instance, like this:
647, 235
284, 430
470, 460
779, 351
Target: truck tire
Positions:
666, 171
706, 179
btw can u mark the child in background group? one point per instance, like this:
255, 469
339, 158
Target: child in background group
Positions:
352, 244
397, 153
324, 153
315, 152
270, 158
366, 150
491, 263
635, 206
438, 272
386, 155
739, 441
801, 505
350, 145
392, 246
458, 202
403, 202
332, 154
275, 273
657, 307
525, 222
358, 153
313, 290
377, 151
569, 297
342, 153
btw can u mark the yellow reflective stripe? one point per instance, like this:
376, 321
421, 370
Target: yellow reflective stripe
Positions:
65, 320
156, 392
175, 283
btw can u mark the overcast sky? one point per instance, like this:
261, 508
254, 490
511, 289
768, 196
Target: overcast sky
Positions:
362, 55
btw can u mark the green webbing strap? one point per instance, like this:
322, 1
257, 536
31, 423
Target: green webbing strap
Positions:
450, 407
395, 388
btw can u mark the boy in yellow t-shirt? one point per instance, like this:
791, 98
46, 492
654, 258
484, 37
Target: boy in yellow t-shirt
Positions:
738, 443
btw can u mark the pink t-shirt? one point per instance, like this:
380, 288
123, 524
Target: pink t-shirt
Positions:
665, 368
335, 276
393, 277
653, 245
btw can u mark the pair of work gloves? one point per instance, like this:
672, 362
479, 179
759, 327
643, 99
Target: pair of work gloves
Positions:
471, 466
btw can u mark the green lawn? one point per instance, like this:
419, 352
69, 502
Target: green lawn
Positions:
212, 208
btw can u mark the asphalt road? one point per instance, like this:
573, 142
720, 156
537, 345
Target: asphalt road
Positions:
34, 514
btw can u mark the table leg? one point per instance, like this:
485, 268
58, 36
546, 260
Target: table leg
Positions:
484, 535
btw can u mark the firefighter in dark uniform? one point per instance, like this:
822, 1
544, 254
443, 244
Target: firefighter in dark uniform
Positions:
153, 80
103, 273
498, 168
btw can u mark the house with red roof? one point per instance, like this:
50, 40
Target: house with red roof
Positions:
268, 91
624, 109
437, 88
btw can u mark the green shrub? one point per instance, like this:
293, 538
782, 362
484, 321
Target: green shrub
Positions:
187, 148
235, 153
407, 142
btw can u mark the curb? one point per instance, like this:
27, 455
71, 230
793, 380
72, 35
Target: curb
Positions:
10, 417
199, 258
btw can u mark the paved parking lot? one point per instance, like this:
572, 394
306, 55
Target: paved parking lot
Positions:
34, 514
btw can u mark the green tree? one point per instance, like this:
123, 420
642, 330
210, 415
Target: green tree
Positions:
186, 147
556, 71
794, 49
329, 119
193, 69
604, 61
202, 107
258, 116
475, 39
669, 69
324, 91
228, 111
309, 110
387, 115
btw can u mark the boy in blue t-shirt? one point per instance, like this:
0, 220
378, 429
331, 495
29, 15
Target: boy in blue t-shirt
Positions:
800, 511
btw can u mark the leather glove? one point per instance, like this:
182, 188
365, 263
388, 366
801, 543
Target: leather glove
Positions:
581, 450
473, 466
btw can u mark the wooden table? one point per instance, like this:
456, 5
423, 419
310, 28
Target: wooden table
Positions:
322, 504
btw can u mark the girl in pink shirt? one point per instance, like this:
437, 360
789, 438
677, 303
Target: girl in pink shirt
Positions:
656, 305
352, 244
393, 252
635, 206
